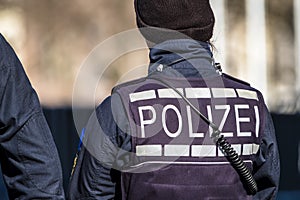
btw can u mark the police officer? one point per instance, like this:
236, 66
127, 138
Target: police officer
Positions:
146, 141
29, 159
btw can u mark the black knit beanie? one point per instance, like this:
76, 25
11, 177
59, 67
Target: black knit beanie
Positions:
161, 20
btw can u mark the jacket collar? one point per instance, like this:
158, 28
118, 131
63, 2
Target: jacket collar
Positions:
183, 57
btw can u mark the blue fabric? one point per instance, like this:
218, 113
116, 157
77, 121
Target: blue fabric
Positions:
179, 58
29, 159
188, 58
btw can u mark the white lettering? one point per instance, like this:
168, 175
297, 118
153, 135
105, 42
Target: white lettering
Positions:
239, 120
224, 118
209, 115
148, 116
177, 133
146, 122
190, 125
257, 121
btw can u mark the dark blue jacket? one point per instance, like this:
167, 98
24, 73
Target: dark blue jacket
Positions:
29, 158
107, 145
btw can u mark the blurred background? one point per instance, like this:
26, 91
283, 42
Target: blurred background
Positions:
257, 41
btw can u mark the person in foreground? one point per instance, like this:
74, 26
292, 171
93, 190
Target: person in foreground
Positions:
29, 160
146, 141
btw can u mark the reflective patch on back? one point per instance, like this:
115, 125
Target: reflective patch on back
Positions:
177, 150
249, 149
169, 93
197, 93
149, 150
204, 150
247, 94
223, 93
140, 96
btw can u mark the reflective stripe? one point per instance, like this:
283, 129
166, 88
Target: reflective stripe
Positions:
169, 93
194, 93
183, 163
149, 150
177, 150
236, 147
247, 94
223, 92
197, 93
145, 95
204, 151
255, 148
249, 149
196, 150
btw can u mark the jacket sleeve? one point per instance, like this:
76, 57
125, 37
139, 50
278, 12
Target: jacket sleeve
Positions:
95, 175
266, 163
29, 158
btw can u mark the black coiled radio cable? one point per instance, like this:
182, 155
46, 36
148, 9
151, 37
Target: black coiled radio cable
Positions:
236, 162
223, 145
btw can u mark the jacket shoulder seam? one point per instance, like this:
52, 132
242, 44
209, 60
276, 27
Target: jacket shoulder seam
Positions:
133, 82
